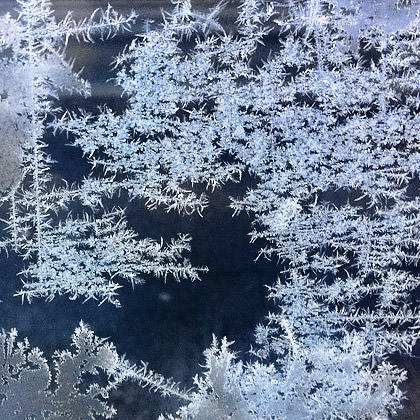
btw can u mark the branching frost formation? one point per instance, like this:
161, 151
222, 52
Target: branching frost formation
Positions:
327, 124
61, 256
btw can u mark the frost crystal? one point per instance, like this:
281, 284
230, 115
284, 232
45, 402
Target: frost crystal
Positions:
77, 256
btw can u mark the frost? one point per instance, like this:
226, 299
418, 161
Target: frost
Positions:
82, 257
76, 385
319, 382
31, 389
327, 124
62, 252
218, 395
330, 132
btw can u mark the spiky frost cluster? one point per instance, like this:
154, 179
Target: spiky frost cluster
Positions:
327, 125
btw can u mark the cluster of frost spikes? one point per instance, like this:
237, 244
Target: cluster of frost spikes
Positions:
72, 256
337, 199
320, 382
329, 127
170, 136
82, 257
79, 384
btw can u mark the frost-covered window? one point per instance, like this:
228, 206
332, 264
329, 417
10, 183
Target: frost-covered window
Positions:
301, 118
